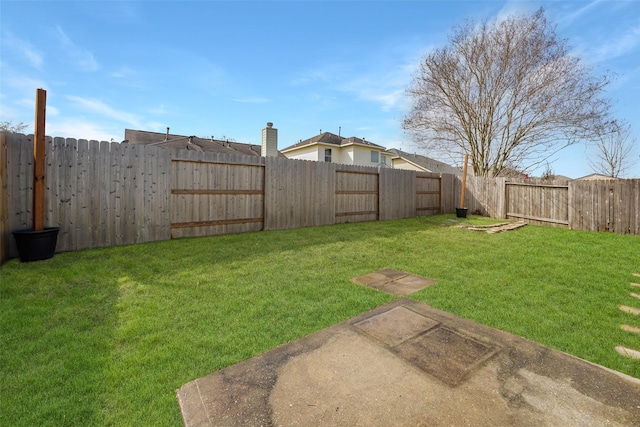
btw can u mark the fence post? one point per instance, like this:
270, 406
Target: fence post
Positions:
502, 189
570, 207
38, 161
4, 212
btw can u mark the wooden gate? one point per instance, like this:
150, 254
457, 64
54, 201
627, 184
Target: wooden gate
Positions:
211, 197
357, 196
428, 194
538, 203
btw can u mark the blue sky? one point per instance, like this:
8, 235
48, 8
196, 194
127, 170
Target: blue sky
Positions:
226, 68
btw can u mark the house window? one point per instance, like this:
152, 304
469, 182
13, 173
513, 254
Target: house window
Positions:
375, 157
327, 155
383, 160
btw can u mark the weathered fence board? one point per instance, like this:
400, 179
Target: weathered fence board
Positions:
428, 194
106, 194
545, 204
484, 196
212, 195
397, 198
299, 193
4, 211
450, 186
605, 205
99, 194
357, 194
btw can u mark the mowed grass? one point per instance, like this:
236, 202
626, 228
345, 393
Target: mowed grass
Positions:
105, 337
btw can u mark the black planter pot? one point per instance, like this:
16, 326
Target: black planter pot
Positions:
461, 212
36, 245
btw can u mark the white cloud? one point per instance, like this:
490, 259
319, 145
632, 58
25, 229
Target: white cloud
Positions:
616, 47
122, 72
23, 83
380, 78
33, 56
159, 110
324, 73
569, 18
99, 107
155, 126
8, 112
52, 111
81, 129
515, 7
81, 56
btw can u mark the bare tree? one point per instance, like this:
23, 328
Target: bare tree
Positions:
506, 92
612, 151
548, 174
7, 125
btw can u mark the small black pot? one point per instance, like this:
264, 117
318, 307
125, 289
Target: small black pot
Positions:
461, 212
36, 245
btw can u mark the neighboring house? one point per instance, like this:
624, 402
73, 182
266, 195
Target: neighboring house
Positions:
269, 146
329, 147
416, 162
593, 177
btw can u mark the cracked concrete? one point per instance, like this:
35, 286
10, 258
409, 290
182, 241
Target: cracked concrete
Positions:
408, 364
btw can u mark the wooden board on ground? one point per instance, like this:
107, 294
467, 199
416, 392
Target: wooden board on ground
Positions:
497, 228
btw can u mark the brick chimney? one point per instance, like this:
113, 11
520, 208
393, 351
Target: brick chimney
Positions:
269, 141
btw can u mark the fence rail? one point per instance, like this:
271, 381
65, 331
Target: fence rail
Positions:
106, 194
539, 203
601, 205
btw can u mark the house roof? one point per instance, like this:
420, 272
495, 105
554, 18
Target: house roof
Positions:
427, 163
183, 142
594, 176
332, 139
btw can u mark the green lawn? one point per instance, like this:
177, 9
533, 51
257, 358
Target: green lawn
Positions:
105, 337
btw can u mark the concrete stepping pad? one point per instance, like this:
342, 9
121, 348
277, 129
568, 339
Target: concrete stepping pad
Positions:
630, 328
633, 294
631, 310
446, 354
394, 281
637, 285
628, 352
397, 325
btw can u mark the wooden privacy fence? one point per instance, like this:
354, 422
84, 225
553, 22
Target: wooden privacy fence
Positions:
105, 194
215, 197
607, 205
357, 196
537, 203
599, 205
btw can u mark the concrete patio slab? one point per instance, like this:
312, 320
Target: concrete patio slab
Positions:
394, 281
408, 364
397, 325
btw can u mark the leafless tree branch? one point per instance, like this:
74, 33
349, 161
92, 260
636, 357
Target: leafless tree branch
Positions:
611, 151
508, 93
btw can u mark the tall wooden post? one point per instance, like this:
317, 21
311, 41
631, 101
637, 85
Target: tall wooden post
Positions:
38, 160
464, 180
